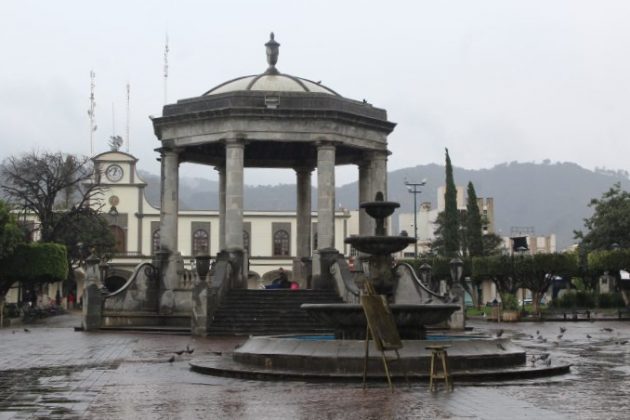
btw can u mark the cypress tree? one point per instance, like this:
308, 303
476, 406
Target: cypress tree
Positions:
450, 232
473, 224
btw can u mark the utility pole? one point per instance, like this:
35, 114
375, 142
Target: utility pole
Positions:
414, 188
166, 50
128, 114
91, 110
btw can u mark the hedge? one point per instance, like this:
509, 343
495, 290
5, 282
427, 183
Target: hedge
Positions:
37, 262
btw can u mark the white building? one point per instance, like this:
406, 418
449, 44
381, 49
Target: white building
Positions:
427, 216
269, 237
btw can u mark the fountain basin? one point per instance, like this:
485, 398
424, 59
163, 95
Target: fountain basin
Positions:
379, 245
348, 320
380, 209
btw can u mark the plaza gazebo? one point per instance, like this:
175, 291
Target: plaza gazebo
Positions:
270, 120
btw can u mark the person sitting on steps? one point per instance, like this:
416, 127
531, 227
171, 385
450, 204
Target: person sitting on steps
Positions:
280, 282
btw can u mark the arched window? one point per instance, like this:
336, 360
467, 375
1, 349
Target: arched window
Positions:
120, 239
281, 243
155, 241
246, 242
201, 243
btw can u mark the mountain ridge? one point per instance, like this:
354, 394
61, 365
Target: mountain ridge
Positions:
550, 197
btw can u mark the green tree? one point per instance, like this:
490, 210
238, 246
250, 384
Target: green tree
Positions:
11, 236
450, 229
499, 269
492, 244
610, 222
37, 262
536, 272
474, 232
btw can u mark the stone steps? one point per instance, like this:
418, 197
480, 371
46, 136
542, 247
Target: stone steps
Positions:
268, 312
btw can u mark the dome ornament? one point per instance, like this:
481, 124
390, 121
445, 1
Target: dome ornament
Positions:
272, 48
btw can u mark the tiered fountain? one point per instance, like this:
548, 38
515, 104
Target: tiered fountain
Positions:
343, 358
348, 320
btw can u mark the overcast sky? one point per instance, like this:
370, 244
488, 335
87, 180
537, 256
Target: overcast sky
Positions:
492, 80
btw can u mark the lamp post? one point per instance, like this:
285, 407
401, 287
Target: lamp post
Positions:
414, 188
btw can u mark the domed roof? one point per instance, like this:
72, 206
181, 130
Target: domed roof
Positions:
271, 80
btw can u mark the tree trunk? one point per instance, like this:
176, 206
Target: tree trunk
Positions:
536, 297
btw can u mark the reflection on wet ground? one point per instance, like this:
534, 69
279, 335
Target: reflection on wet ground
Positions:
58, 373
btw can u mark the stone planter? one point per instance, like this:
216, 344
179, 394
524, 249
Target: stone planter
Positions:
510, 316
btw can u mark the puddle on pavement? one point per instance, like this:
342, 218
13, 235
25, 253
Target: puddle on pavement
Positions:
61, 392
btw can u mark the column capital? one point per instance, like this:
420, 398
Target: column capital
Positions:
376, 155
235, 142
324, 144
167, 150
304, 169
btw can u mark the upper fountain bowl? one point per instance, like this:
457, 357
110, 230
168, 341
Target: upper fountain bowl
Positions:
379, 245
379, 209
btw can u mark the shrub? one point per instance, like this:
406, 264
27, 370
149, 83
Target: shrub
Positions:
510, 302
610, 300
585, 299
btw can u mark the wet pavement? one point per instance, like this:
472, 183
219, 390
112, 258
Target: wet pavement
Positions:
54, 372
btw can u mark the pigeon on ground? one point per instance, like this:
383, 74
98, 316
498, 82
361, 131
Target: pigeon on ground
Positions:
560, 336
26, 330
500, 346
188, 349
179, 352
537, 332
562, 330
607, 329
499, 333
544, 356
588, 336
172, 359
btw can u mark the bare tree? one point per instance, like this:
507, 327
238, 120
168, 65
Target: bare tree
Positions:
50, 185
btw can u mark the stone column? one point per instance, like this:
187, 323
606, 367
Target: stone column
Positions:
169, 200
326, 255
234, 164
168, 229
325, 195
234, 161
303, 216
221, 170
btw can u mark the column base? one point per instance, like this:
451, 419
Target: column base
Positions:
323, 259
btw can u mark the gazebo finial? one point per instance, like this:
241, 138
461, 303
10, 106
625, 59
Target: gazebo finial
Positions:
272, 54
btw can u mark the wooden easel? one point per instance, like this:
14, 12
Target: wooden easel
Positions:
381, 327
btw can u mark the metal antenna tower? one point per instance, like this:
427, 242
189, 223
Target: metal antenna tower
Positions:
113, 120
166, 50
128, 114
90, 111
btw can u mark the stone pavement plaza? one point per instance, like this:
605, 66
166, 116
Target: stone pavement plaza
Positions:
54, 372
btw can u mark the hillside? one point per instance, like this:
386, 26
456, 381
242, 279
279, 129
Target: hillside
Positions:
552, 198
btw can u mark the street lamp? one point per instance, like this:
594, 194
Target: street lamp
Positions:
414, 188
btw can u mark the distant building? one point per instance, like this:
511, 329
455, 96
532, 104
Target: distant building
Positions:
427, 216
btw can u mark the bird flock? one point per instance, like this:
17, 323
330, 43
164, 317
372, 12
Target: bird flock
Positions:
545, 358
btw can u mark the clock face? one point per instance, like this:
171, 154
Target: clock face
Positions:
114, 173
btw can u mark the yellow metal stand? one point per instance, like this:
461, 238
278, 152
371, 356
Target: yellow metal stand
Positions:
439, 356
381, 328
